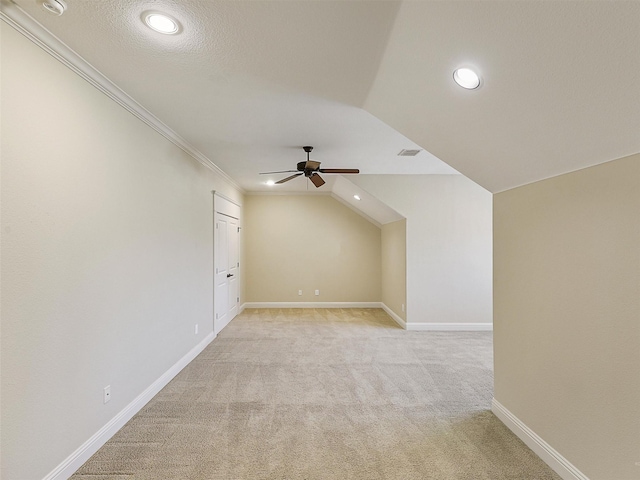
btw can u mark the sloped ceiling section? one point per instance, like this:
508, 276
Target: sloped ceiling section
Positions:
248, 83
560, 91
366, 204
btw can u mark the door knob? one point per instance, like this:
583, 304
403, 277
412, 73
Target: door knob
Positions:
229, 275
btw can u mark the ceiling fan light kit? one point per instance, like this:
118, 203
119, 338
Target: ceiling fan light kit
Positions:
311, 170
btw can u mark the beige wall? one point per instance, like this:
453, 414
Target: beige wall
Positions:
567, 314
394, 266
449, 244
107, 253
306, 243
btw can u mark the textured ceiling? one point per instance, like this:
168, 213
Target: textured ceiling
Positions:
561, 85
248, 83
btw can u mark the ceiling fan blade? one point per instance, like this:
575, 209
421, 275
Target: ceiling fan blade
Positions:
288, 178
317, 180
311, 165
281, 171
339, 170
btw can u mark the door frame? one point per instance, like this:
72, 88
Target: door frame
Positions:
225, 206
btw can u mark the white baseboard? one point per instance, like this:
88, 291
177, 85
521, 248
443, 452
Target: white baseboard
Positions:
546, 452
74, 461
460, 327
242, 307
393, 315
312, 305
450, 327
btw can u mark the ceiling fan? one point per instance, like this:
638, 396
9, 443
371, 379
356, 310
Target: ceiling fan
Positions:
310, 169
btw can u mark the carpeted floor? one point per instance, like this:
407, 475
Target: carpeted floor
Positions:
324, 394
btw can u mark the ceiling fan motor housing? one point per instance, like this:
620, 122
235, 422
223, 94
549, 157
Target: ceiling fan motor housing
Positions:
302, 167
310, 170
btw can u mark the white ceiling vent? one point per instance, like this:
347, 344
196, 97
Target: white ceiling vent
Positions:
408, 153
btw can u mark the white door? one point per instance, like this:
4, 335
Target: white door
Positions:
233, 265
226, 268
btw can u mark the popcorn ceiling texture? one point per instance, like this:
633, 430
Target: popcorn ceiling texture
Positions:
246, 81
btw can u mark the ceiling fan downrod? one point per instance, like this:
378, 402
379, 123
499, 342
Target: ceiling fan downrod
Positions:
308, 150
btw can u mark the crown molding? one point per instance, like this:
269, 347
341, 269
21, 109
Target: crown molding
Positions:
17, 18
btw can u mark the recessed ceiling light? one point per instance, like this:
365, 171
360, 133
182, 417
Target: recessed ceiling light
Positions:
162, 23
270, 182
466, 78
357, 197
57, 7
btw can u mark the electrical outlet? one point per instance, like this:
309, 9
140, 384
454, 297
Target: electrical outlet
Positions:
196, 332
403, 307
317, 292
299, 292
107, 393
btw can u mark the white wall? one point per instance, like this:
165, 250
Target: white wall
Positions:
107, 253
308, 243
567, 314
449, 244
394, 267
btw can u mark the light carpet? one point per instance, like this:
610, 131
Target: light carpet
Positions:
324, 394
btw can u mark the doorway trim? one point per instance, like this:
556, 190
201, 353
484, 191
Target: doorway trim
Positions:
225, 206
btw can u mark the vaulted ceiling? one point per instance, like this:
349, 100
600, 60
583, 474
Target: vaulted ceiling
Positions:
248, 83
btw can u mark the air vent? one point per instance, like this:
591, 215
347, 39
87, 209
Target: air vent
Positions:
408, 153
